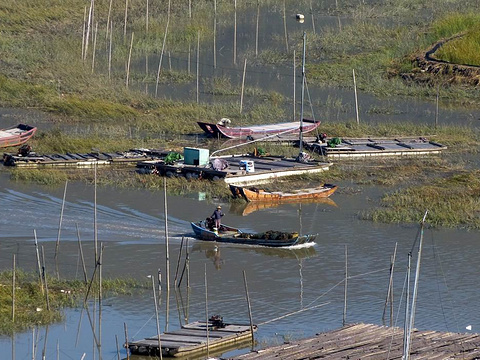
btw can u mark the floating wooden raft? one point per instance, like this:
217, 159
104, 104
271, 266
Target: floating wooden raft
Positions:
373, 342
361, 148
82, 160
191, 339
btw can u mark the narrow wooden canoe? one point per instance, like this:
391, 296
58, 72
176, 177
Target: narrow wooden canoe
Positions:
265, 130
229, 234
16, 135
254, 194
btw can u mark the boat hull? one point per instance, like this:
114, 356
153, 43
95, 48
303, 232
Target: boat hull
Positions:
254, 194
16, 135
228, 234
293, 127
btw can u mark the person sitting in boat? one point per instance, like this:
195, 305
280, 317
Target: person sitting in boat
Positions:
217, 216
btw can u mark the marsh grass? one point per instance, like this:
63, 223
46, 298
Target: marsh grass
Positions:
451, 202
30, 302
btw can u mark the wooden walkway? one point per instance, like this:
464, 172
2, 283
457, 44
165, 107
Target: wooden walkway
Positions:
362, 148
373, 342
191, 340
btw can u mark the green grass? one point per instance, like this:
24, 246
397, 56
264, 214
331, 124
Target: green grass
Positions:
31, 304
451, 202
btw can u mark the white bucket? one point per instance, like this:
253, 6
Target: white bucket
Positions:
248, 165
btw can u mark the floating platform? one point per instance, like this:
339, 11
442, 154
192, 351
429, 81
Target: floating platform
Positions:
260, 170
400, 147
191, 340
34, 160
373, 342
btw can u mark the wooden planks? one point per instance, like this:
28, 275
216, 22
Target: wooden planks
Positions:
192, 339
373, 342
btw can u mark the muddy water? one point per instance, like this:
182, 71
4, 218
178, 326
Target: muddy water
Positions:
280, 282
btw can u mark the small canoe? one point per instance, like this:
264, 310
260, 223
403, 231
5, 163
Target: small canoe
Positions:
16, 135
254, 194
265, 130
229, 234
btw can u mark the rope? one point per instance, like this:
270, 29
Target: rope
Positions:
293, 313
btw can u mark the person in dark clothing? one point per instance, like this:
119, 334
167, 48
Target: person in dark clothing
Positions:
217, 216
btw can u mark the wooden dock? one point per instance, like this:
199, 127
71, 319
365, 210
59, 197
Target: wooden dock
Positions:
362, 148
373, 342
79, 160
265, 169
191, 340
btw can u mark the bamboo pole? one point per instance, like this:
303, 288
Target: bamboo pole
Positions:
190, 9
436, 106
156, 316
88, 30
294, 86
345, 288
13, 289
57, 245
44, 350
45, 279
81, 254
108, 20
256, 30
33, 343
118, 349
178, 262
110, 52
163, 48
126, 341
129, 60
285, 25
125, 21
198, 64
58, 349
95, 233
188, 61
390, 289
169, 61
38, 261
248, 303
243, 85
146, 20
214, 34
235, 34
206, 313
94, 46
100, 299
83, 32
356, 97
313, 18
167, 250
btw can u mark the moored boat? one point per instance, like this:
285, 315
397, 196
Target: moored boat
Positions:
16, 135
229, 234
255, 194
265, 130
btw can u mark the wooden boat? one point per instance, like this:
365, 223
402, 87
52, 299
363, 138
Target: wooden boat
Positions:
16, 135
229, 234
246, 208
218, 130
254, 194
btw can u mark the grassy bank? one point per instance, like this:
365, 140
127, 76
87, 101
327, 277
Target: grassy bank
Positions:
31, 301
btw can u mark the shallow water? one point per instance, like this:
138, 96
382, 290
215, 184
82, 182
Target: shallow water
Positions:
280, 282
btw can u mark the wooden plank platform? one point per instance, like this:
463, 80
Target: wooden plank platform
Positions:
34, 160
265, 169
371, 147
373, 342
191, 340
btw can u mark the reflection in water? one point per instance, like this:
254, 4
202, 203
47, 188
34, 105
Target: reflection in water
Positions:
212, 251
245, 209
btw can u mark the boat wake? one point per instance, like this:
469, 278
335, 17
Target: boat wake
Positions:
41, 212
